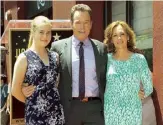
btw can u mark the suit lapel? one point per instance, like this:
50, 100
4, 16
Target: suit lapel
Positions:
68, 55
97, 58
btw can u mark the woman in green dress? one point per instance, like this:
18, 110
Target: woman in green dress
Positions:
126, 69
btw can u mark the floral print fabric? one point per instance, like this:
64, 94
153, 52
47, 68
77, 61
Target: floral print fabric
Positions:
43, 107
122, 105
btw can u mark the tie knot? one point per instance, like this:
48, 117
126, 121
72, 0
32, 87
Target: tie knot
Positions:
81, 44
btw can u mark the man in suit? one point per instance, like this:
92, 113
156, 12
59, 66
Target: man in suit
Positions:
82, 71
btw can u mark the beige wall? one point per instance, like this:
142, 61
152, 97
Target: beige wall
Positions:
158, 51
61, 9
12, 6
143, 23
118, 10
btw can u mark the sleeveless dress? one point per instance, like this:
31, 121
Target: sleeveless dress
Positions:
43, 107
122, 105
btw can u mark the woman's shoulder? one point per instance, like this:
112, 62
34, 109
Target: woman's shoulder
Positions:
109, 55
21, 60
139, 56
22, 56
27, 53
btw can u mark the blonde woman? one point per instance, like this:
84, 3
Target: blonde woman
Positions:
126, 68
38, 68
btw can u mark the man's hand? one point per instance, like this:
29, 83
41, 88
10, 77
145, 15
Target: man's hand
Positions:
141, 94
28, 90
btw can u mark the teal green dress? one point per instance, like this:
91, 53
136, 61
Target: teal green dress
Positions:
122, 105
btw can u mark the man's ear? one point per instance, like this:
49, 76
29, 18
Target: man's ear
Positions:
71, 24
91, 24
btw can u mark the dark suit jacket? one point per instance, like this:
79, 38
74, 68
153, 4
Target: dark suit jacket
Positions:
63, 48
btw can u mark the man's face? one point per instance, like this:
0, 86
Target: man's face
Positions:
81, 25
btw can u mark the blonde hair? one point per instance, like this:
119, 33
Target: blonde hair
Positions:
37, 21
109, 33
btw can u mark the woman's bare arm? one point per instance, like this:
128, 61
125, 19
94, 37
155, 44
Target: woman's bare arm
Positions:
18, 77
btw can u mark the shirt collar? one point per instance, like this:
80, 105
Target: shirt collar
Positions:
76, 42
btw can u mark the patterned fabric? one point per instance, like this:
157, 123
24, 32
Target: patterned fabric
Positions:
43, 107
122, 105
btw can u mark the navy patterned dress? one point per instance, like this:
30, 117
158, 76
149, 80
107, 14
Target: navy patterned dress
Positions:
43, 107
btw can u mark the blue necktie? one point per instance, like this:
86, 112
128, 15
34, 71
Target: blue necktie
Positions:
81, 72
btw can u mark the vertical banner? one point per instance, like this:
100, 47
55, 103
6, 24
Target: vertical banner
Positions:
18, 44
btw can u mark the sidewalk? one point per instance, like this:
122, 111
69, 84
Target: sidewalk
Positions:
149, 117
